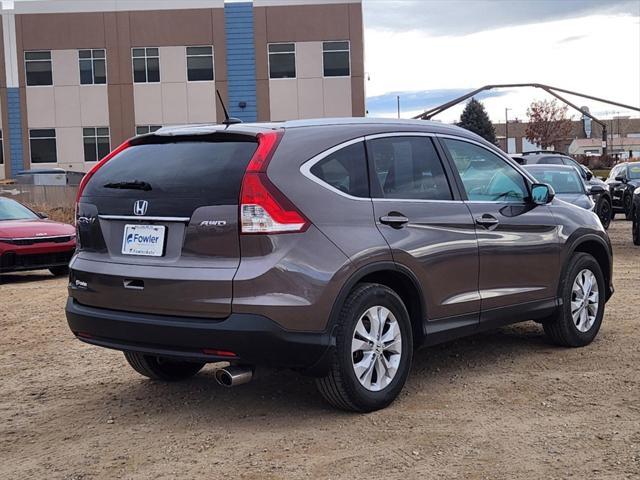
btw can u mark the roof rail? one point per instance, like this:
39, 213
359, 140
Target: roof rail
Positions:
552, 152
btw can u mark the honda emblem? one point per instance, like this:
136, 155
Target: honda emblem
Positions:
140, 207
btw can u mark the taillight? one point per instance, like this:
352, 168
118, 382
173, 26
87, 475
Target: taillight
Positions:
97, 166
264, 208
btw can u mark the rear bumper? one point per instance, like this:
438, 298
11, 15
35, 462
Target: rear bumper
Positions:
255, 339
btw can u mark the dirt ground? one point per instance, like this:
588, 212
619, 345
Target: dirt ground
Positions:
504, 404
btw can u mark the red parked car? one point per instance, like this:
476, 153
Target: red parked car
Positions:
28, 241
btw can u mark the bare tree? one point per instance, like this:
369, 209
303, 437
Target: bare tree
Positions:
548, 123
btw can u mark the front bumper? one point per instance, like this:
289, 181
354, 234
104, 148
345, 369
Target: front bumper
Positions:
20, 260
254, 339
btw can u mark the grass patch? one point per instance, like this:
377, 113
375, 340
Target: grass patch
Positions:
58, 214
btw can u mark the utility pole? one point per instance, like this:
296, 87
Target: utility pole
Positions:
506, 130
398, 100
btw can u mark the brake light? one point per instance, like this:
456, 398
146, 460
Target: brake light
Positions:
219, 353
263, 208
97, 166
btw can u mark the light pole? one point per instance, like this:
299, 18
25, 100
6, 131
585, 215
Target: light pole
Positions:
506, 129
398, 100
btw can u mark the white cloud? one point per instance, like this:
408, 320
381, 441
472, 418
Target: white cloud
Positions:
602, 59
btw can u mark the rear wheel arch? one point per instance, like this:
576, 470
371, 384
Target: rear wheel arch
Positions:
396, 277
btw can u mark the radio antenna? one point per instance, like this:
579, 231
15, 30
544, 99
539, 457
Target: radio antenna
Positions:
227, 119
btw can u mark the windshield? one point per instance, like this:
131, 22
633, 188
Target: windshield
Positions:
12, 210
634, 172
565, 181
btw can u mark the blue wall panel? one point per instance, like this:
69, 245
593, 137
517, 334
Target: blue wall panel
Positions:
15, 130
241, 60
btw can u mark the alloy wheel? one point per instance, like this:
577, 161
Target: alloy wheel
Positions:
584, 300
376, 348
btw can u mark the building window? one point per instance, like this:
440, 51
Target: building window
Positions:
38, 68
199, 64
146, 65
96, 143
335, 59
144, 129
93, 67
43, 145
282, 60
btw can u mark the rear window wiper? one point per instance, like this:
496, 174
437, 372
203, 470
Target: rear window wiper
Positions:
132, 185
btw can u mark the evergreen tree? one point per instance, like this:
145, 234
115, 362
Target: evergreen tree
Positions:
474, 118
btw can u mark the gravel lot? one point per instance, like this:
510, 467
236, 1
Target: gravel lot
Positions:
503, 404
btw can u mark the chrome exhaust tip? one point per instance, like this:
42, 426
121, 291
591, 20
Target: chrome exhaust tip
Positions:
233, 375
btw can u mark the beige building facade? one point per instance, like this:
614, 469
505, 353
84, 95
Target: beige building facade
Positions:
77, 77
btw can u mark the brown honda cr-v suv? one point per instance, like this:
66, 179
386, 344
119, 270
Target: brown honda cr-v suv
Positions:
334, 247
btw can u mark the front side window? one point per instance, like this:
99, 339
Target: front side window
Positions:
634, 171
96, 143
43, 145
407, 168
144, 129
146, 65
38, 68
282, 60
199, 64
345, 170
93, 66
335, 59
486, 176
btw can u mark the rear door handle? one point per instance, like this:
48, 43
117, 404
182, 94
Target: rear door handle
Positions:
395, 221
487, 220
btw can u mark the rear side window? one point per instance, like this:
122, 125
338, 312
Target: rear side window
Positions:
407, 168
345, 170
209, 171
551, 161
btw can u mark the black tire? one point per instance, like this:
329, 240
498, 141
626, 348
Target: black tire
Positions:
560, 328
635, 227
160, 368
341, 387
627, 205
59, 271
604, 212
613, 215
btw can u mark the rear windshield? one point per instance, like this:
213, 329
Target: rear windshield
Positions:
209, 171
562, 181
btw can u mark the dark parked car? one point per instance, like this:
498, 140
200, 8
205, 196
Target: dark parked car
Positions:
602, 200
28, 241
334, 247
567, 184
635, 216
623, 179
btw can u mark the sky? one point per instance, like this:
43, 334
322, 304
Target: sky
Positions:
431, 51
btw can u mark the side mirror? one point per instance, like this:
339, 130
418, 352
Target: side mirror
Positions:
542, 193
596, 190
620, 178
42, 215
